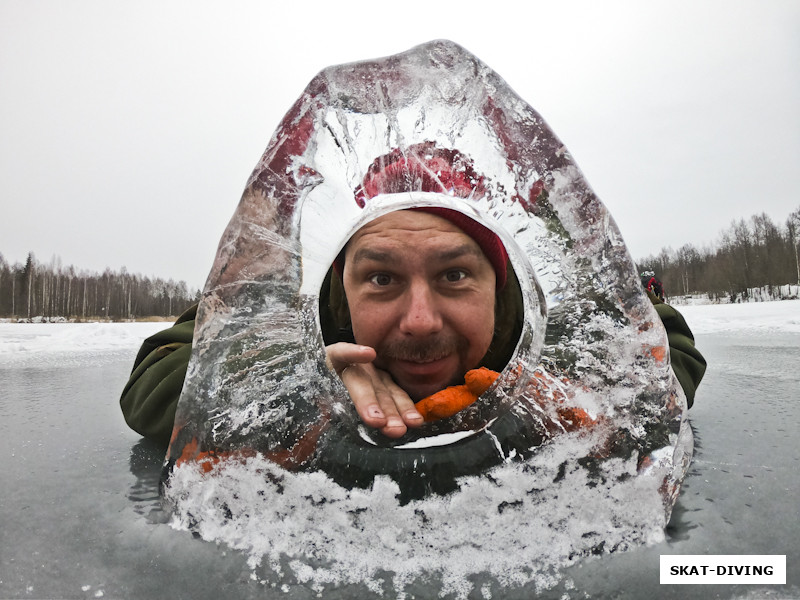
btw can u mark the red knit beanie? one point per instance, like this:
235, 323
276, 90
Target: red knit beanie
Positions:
426, 167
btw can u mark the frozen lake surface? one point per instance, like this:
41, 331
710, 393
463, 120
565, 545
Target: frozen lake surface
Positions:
80, 515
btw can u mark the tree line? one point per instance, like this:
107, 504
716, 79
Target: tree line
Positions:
52, 290
751, 254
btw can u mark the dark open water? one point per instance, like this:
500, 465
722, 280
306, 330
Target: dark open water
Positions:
79, 504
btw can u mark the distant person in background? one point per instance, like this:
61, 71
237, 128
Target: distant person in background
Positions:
687, 363
653, 285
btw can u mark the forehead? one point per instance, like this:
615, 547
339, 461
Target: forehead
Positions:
407, 228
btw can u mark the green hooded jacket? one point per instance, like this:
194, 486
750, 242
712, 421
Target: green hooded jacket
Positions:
151, 396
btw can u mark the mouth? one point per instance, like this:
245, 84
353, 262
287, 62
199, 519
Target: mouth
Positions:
421, 378
423, 361
421, 368
437, 368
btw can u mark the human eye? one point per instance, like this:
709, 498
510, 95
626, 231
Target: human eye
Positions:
380, 279
455, 275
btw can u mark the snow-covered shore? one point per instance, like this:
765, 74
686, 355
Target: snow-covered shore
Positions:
782, 316
53, 338
44, 338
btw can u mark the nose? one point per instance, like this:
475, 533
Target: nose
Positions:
422, 316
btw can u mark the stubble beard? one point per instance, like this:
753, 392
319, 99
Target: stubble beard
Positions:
426, 350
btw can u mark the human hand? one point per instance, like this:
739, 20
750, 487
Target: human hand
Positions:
379, 401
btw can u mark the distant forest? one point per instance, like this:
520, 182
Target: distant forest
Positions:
52, 290
751, 254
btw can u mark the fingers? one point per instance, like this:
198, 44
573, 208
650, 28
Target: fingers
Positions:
395, 405
379, 401
366, 393
340, 355
376, 399
400, 411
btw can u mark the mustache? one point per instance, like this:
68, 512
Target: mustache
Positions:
423, 350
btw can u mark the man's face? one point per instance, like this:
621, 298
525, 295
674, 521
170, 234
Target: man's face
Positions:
421, 293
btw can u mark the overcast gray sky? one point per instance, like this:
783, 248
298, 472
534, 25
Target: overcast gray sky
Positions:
128, 129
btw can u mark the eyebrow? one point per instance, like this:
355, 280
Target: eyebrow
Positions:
364, 254
459, 251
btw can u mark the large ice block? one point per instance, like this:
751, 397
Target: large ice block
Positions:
592, 353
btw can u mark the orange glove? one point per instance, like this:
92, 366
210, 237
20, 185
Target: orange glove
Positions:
450, 400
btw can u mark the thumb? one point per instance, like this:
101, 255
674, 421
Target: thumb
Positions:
343, 354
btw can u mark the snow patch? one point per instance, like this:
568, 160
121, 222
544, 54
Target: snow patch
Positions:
519, 525
31, 342
779, 316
